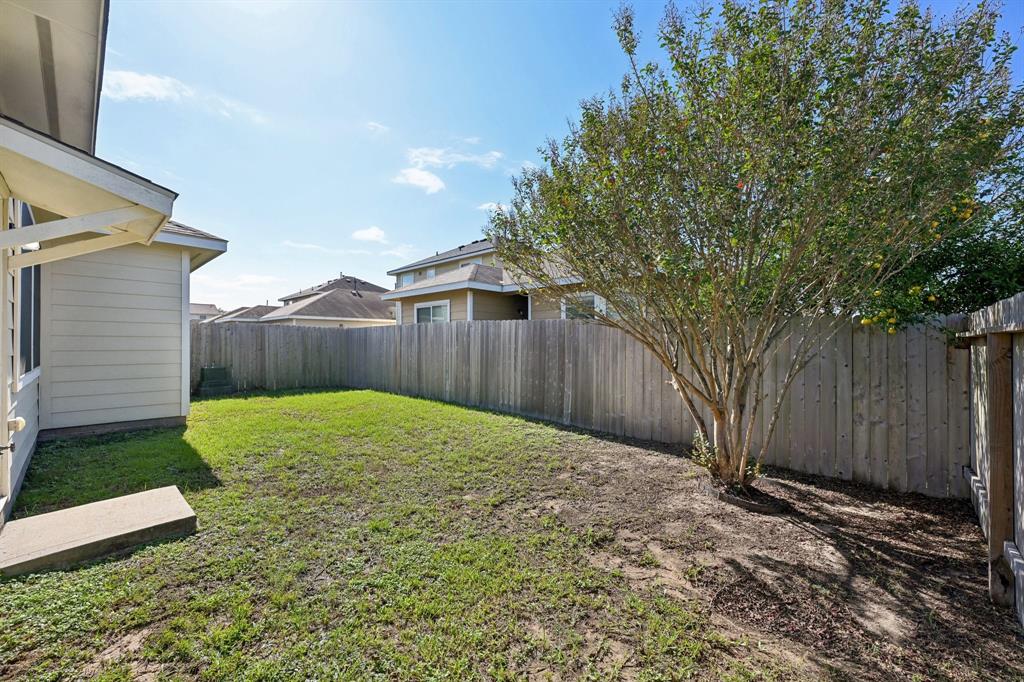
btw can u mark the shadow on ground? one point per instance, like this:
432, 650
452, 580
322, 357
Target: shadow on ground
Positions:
65, 473
857, 583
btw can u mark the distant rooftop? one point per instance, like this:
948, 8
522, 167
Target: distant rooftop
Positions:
470, 249
245, 314
347, 282
340, 303
204, 309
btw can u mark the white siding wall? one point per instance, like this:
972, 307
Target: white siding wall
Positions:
114, 334
24, 404
24, 395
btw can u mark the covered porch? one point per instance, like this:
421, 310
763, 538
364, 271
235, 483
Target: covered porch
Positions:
58, 202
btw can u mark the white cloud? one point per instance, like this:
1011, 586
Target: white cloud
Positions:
491, 206
417, 177
421, 158
435, 157
375, 127
370, 234
307, 246
128, 85
471, 140
403, 251
123, 86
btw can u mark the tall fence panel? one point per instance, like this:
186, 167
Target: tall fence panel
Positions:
996, 334
889, 410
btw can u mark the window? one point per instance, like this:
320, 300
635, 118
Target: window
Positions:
30, 307
405, 279
435, 311
430, 273
582, 307
472, 261
29, 329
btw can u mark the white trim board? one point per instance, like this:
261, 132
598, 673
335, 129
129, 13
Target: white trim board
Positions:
186, 335
439, 288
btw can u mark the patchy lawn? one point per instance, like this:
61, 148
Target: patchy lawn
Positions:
362, 535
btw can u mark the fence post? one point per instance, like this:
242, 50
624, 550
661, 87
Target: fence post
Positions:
999, 399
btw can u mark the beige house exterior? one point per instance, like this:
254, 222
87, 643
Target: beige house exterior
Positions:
470, 282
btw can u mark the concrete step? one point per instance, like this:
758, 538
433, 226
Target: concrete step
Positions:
62, 538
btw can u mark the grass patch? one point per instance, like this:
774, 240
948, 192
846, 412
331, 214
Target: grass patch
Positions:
344, 535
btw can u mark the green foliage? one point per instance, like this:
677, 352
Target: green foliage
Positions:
978, 259
789, 159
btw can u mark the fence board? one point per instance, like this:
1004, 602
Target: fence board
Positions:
892, 410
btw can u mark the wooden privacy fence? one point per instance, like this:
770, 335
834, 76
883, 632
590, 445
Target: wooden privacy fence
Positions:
996, 469
890, 410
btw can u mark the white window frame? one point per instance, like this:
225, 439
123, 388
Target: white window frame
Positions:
431, 304
402, 281
431, 273
600, 304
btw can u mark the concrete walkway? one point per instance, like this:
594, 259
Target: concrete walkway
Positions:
70, 536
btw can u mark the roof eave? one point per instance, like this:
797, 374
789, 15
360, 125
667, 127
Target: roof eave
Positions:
426, 262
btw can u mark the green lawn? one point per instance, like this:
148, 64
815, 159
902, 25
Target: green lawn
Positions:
347, 535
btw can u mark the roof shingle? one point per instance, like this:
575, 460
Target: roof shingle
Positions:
338, 304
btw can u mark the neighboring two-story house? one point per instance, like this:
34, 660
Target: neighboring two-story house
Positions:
470, 282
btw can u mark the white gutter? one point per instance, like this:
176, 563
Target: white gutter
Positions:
437, 288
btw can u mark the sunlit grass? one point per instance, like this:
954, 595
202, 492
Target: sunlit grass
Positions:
342, 535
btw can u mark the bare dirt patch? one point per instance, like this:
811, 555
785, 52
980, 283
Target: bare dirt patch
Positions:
848, 583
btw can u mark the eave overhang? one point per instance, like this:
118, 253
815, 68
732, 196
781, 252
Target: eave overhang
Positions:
103, 205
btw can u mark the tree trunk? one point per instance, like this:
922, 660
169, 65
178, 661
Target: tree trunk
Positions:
723, 452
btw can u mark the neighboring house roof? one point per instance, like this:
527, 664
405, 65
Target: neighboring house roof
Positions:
203, 309
337, 304
245, 314
346, 282
477, 248
475, 276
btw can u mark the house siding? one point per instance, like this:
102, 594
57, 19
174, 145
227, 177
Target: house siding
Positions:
492, 306
113, 341
456, 300
24, 404
420, 274
543, 308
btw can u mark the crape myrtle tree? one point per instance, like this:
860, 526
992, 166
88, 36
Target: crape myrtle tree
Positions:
789, 160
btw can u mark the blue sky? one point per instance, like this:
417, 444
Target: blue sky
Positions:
337, 137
